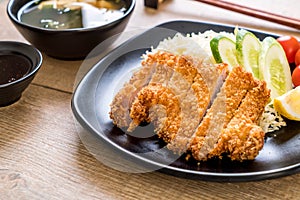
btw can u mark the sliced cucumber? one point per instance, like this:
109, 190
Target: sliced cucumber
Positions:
247, 50
274, 67
223, 50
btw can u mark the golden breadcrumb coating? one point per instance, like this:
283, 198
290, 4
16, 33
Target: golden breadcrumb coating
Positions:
119, 108
187, 71
122, 101
190, 89
151, 95
221, 112
193, 91
242, 139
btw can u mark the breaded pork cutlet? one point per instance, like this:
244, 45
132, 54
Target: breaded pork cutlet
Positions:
122, 101
242, 139
190, 87
155, 94
205, 85
163, 72
194, 107
175, 75
236, 86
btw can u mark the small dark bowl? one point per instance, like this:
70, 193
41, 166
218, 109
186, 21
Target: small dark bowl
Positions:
70, 43
10, 92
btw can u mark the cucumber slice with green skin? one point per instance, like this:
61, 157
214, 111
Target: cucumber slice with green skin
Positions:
247, 50
274, 67
223, 50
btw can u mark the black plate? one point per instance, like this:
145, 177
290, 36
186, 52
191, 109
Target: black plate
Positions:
280, 155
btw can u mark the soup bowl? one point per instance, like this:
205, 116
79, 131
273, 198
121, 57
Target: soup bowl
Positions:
20, 63
67, 44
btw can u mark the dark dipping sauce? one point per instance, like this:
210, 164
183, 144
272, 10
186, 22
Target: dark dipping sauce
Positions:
13, 67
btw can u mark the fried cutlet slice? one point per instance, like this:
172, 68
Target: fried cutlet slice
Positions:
150, 96
236, 85
122, 101
193, 87
177, 74
164, 68
242, 139
213, 76
207, 82
153, 69
161, 77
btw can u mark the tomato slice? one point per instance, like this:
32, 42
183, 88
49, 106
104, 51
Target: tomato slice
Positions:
296, 76
290, 45
297, 58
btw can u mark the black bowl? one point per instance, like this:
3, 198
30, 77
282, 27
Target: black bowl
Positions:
28, 56
70, 43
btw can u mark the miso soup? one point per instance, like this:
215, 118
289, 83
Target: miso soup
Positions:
71, 14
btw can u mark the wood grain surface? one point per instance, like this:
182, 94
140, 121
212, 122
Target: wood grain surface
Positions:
42, 156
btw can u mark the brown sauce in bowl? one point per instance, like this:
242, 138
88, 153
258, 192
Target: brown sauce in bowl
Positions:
13, 67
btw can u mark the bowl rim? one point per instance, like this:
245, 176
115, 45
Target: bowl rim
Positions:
35, 67
14, 18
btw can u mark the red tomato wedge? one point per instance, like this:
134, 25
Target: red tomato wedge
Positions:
290, 45
297, 58
296, 76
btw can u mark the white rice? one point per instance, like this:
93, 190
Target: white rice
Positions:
194, 45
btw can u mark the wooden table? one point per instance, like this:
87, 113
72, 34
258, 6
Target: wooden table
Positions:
42, 156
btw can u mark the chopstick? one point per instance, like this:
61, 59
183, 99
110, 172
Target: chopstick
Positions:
151, 3
287, 21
